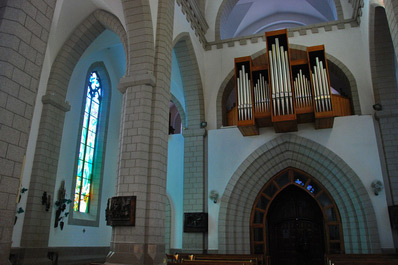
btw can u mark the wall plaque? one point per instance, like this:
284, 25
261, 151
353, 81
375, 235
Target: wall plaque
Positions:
195, 222
120, 211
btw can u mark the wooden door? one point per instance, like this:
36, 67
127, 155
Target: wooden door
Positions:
295, 229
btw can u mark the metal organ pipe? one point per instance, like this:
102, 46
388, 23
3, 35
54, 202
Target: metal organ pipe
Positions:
302, 90
325, 86
321, 87
282, 98
280, 76
288, 86
261, 94
244, 95
273, 83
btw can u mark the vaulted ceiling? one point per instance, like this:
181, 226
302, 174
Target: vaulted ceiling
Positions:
254, 16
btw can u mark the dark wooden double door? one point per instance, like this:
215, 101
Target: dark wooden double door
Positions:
295, 229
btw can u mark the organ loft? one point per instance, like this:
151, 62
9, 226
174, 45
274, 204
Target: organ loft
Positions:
285, 92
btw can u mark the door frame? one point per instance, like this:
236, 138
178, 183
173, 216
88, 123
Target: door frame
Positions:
333, 232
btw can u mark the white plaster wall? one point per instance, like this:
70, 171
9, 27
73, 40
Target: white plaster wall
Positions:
114, 60
352, 138
175, 188
347, 9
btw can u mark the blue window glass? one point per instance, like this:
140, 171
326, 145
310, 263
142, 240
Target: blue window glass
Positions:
87, 147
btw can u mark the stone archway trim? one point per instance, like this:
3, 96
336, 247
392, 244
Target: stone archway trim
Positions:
191, 80
352, 200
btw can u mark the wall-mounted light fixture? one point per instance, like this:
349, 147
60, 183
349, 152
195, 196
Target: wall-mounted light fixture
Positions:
377, 186
377, 107
203, 124
214, 196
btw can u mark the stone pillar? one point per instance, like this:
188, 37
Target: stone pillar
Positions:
143, 142
392, 17
37, 223
194, 185
24, 30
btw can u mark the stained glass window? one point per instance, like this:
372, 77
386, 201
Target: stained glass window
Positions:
88, 137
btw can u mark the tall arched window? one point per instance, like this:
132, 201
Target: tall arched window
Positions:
87, 148
91, 147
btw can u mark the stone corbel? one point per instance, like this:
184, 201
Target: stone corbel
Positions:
136, 80
52, 99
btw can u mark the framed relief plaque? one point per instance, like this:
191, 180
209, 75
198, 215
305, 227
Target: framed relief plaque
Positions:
120, 211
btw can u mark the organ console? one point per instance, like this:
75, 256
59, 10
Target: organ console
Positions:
283, 93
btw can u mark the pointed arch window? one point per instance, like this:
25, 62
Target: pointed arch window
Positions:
88, 142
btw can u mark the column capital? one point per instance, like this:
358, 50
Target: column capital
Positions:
135, 80
52, 99
194, 132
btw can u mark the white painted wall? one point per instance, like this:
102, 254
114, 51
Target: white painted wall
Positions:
108, 49
352, 138
175, 188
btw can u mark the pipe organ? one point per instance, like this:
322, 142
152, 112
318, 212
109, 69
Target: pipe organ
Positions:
283, 93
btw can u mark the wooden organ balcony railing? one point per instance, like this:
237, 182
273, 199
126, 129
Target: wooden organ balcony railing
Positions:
284, 93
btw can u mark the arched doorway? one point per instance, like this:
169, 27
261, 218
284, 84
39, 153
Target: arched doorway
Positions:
294, 220
295, 228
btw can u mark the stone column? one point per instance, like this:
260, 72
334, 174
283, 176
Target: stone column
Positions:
392, 17
24, 30
194, 184
143, 142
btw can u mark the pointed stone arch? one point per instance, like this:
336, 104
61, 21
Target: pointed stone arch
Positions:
76, 44
191, 80
335, 65
350, 195
44, 169
180, 109
193, 134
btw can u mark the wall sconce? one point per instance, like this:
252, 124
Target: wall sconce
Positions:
46, 200
203, 124
213, 196
377, 107
377, 186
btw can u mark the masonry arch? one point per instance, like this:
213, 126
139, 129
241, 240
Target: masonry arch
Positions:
295, 211
288, 150
77, 43
54, 107
192, 132
341, 78
191, 80
180, 109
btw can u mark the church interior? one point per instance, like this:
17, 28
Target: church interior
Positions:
198, 132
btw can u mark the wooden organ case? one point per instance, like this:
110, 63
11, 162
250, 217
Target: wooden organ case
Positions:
284, 92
